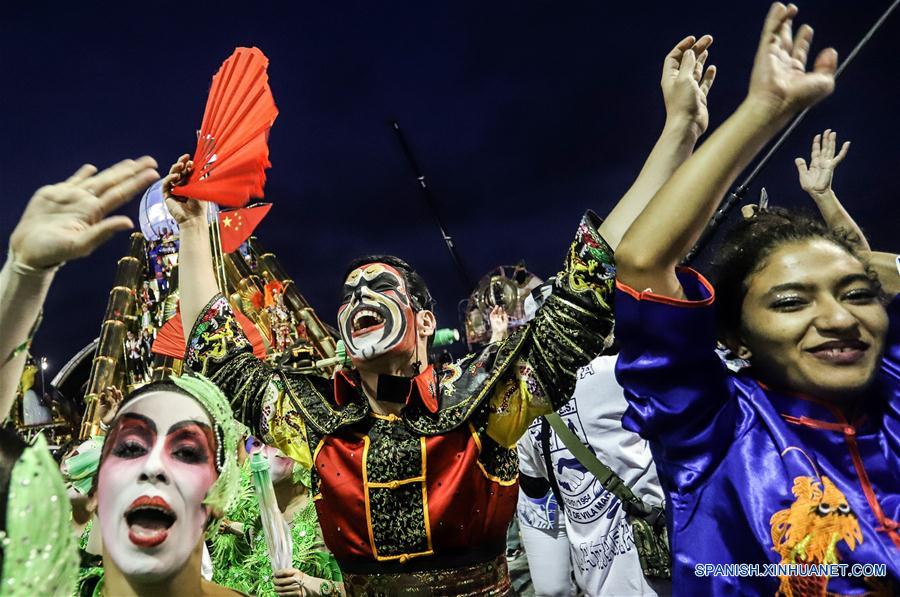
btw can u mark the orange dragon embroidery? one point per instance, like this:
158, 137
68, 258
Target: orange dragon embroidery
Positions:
809, 530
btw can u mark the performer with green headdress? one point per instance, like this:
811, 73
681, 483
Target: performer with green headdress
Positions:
167, 473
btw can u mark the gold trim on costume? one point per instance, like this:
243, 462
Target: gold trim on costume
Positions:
425, 493
365, 480
491, 477
390, 417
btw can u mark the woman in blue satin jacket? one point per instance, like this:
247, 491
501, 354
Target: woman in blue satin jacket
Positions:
790, 467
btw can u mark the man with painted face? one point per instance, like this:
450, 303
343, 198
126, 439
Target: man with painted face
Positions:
414, 469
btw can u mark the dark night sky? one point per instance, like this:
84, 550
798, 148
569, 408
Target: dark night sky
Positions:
523, 114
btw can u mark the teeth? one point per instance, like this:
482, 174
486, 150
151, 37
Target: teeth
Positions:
357, 325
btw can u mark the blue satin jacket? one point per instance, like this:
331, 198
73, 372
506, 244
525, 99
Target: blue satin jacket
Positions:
754, 476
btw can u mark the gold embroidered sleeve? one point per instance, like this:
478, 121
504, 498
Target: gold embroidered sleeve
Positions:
573, 326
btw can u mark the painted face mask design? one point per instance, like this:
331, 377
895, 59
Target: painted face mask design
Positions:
376, 317
152, 482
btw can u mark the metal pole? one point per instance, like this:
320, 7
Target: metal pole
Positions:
432, 205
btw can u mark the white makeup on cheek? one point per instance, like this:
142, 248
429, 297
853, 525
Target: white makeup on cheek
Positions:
147, 477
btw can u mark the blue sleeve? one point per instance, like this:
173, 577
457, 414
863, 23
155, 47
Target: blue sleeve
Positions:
680, 395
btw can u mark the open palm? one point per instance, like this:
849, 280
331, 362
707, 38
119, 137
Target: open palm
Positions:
69, 220
816, 178
780, 79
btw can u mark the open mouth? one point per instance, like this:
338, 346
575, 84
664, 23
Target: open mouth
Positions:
366, 321
149, 520
840, 352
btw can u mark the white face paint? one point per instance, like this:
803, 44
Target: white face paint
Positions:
375, 317
152, 483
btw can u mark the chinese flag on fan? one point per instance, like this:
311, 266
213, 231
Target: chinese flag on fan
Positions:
232, 144
236, 225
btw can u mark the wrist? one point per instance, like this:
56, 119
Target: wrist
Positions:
765, 112
683, 128
194, 224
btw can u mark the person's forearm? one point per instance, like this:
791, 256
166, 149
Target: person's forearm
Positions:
196, 272
674, 146
885, 265
22, 294
836, 216
676, 216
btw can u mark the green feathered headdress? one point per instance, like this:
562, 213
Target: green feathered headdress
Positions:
40, 556
228, 433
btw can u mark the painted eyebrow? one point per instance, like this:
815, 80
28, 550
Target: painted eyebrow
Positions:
182, 424
141, 418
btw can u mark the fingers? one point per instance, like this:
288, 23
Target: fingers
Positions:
778, 14
99, 233
698, 66
801, 166
82, 173
709, 77
126, 189
829, 140
843, 153
114, 175
826, 62
816, 148
688, 61
802, 42
703, 44
673, 58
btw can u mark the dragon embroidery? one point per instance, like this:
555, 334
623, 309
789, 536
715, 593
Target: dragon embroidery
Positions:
809, 531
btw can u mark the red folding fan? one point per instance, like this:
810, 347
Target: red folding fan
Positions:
232, 145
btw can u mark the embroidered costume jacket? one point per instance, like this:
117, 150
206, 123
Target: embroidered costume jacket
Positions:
753, 475
435, 486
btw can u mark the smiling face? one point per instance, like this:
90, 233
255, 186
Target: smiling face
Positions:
812, 321
152, 482
376, 317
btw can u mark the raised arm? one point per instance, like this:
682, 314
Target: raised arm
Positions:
196, 272
816, 178
62, 222
780, 87
685, 86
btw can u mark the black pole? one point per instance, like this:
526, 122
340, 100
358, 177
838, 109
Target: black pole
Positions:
432, 205
738, 193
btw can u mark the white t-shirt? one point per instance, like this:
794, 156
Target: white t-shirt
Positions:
604, 557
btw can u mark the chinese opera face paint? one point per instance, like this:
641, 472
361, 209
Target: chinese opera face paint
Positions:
376, 317
152, 483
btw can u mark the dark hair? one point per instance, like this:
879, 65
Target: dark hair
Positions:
418, 290
749, 244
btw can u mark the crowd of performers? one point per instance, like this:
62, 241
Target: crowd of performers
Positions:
750, 420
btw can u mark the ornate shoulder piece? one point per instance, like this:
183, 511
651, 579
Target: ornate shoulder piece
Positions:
314, 398
465, 384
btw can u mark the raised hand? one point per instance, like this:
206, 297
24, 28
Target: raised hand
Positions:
110, 399
68, 220
816, 178
499, 324
780, 82
183, 210
685, 84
